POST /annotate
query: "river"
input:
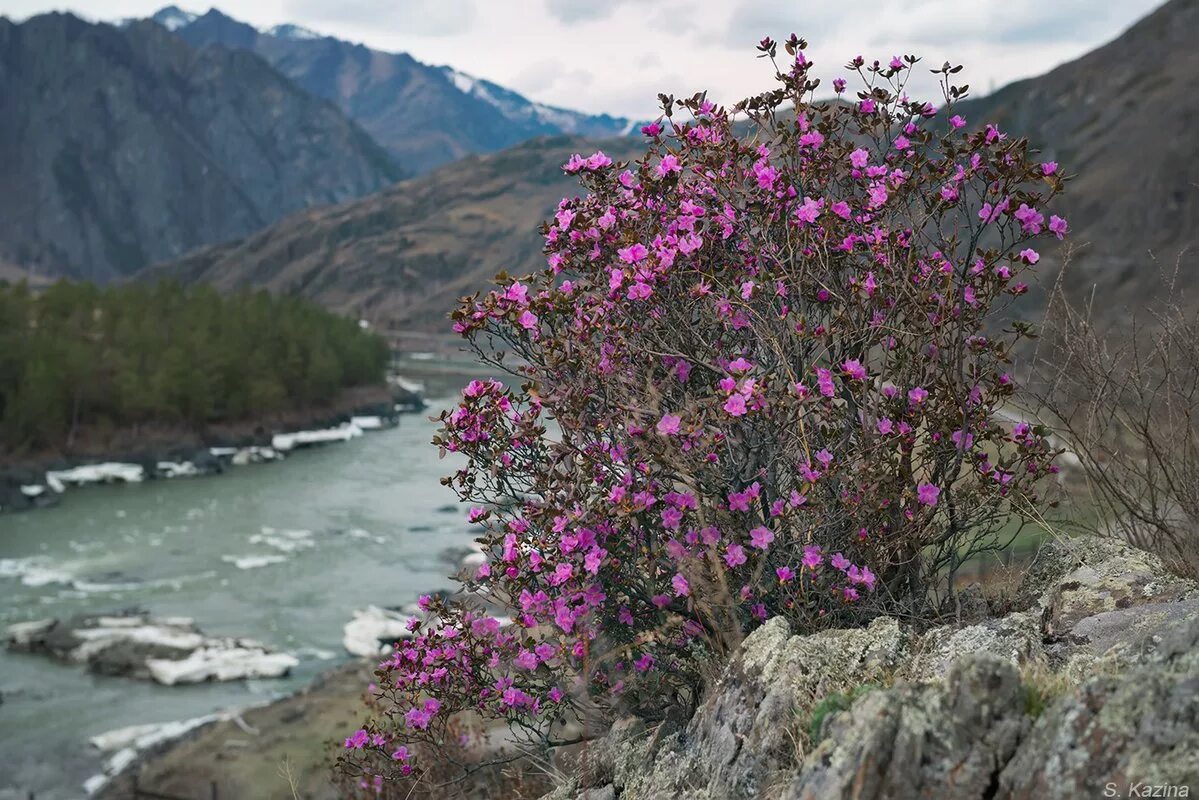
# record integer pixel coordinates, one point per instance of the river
(380, 524)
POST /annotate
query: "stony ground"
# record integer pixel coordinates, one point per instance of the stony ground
(1095, 680)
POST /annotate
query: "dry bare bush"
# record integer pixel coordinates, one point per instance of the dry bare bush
(1125, 400)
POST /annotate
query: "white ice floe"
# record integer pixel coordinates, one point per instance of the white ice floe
(227, 662)
(183, 654)
(253, 562)
(110, 472)
(285, 541)
(368, 423)
(34, 571)
(289, 441)
(177, 469)
(369, 631)
(33, 490)
(415, 387)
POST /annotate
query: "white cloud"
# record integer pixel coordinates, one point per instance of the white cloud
(616, 56)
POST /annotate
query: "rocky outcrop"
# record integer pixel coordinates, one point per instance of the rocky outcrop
(168, 650)
(1095, 683)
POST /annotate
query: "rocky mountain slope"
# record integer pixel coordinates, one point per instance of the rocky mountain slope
(120, 147)
(401, 257)
(1122, 118)
(424, 115)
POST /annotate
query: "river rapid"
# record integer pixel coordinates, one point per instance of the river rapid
(374, 527)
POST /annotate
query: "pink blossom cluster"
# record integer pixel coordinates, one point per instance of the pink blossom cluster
(758, 376)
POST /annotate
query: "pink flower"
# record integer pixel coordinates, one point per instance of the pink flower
(841, 209)
(518, 293)
(735, 405)
(917, 396)
(640, 291)
(957, 121)
(669, 425)
(1058, 226)
(809, 211)
(784, 574)
(854, 370)
(734, 555)
(840, 562)
(927, 494)
(358, 740)
(812, 557)
(681, 587)
(633, 253)
(761, 537)
(859, 158)
(528, 320)
(824, 380)
(669, 163)
(1030, 256)
(1049, 168)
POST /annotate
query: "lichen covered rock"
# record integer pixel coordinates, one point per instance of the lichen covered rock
(947, 739)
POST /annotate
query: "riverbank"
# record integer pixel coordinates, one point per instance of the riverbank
(281, 750)
(157, 453)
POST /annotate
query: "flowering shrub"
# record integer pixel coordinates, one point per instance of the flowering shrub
(759, 379)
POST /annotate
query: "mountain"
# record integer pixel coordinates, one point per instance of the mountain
(425, 116)
(1123, 119)
(124, 146)
(401, 257)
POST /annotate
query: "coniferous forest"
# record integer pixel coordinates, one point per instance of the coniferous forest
(77, 355)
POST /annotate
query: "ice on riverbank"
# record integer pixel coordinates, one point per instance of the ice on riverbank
(230, 660)
(168, 650)
(110, 472)
(125, 743)
(284, 442)
(373, 630)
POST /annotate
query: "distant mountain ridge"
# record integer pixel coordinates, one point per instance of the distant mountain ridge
(424, 115)
(124, 146)
(402, 257)
(1123, 119)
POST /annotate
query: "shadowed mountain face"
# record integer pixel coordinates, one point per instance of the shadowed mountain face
(1123, 118)
(401, 257)
(120, 147)
(424, 116)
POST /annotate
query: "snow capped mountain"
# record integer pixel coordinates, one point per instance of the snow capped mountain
(294, 32)
(519, 108)
(423, 115)
(173, 18)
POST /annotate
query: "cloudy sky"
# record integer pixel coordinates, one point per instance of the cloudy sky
(616, 55)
